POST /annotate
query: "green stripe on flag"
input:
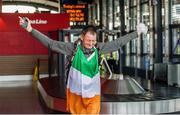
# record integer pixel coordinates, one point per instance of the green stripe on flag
(80, 62)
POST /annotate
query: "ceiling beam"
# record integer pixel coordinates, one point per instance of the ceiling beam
(53, 5)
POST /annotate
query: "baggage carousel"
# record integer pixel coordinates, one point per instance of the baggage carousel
(131, 95)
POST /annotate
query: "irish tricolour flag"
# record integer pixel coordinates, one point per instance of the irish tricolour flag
(83, 88)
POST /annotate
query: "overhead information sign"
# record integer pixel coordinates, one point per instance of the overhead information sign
(78, 14)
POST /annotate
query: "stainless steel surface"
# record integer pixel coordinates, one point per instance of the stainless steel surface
(162, 100)
(127, 85)
(160, 71)
(145, 107)
(174, 74)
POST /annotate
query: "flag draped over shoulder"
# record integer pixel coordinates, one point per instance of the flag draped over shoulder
(83, 88)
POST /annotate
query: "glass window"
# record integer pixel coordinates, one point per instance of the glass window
(142, 1)
(145, 62)
(133, 61)
(133, 2)
(163, 43)
(146, 43)
(133, 18)
(133, 46)
(110, 15)
(116, 14)
(145, 15)
(104, 13)
(125, 3)
(163, 13)
(145, 18)
(127, 60)
(176, 41)
(175, 13)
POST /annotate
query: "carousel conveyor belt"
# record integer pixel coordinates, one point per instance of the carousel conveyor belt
(153, 98)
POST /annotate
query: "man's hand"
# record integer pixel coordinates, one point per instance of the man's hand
(141, 28)
(25, 23)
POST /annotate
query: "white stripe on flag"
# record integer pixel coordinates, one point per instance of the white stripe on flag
(83, 85)
(89, 58)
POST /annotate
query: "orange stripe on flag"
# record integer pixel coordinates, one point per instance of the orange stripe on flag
(78, 105)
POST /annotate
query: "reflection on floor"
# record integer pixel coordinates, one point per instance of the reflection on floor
(19, 97)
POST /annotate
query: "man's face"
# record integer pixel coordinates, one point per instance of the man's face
(88, 40)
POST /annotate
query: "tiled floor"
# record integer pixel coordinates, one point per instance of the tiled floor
(19, 97)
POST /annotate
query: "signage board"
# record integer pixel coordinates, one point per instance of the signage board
(40, 21)
(78, 14)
